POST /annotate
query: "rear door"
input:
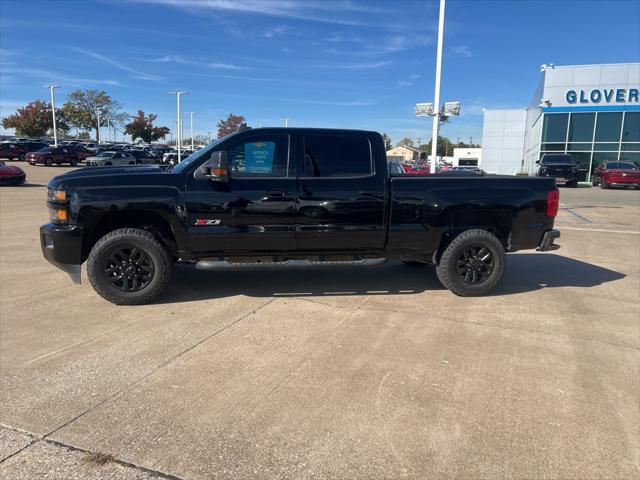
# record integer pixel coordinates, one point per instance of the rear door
(340, 199)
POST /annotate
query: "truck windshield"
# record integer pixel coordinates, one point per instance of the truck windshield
(556, 159)
(195, 157)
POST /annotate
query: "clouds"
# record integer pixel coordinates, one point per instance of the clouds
(136, 74)
(336, 11)
(199, 63)
(46, 75)
(409, 81)
(461, 51)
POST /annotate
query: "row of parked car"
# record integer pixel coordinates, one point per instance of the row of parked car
(91, 154)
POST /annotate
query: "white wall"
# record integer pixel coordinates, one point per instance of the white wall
(503, 137)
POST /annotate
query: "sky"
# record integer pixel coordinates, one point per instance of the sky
(322, 63)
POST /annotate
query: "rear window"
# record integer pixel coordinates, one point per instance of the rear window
(336, 156)
(621, 166)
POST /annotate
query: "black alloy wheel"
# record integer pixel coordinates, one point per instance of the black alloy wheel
(129, 269)
(475, 265)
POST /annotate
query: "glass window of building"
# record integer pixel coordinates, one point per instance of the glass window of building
(581, 127)
(630, 157)
(631, 130)
(599, 157)
(608, 126)
(554, 128)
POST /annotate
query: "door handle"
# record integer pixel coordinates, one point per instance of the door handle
(278, 193)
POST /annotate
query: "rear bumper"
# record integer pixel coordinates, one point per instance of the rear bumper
(62, 247)
(547, 241)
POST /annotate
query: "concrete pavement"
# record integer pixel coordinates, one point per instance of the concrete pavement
(328, 374)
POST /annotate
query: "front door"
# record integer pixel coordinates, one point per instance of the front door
(253, 211)
(341, 200)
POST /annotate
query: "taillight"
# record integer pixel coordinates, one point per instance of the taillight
(553, 202)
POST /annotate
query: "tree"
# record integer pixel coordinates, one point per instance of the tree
(35, 120)
(231, 124)
(387, 141)
(81, 110)
(142, 127)
(406, 142)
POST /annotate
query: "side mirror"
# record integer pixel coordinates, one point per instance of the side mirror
(215, 169)
(537, 162)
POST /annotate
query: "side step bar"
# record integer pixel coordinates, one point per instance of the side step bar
(226, 265)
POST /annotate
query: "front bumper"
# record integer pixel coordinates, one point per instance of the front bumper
(62, 247)
(547, 241)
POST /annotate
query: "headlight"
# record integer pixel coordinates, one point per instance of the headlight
(58, 195)
(58, 215)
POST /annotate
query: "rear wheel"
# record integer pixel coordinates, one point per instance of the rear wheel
(21, 157)
(129, 266)
(74, 162)
(472, 264)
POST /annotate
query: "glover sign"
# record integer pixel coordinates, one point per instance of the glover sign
(604, 95)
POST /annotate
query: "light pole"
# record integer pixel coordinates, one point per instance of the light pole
(98, 124)
(53, 113)
(191, 126)
(178, 94)
(209, 137)
(286, 121)
(108, 129)
(436, 95)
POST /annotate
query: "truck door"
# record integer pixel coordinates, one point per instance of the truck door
(254, 210)
(340, 199)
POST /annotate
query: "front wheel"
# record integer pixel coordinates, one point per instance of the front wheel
(74, 162)
(604, 185)
(21, 157)
(129, 266)
(48, 162)
(472, 264)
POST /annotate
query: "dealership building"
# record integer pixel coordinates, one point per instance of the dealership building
(589, 111)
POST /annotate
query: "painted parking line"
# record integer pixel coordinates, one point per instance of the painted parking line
(603, 230)
(584, 219)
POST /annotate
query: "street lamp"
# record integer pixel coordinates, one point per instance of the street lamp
(53, 113)
(178, 94)
(286, 121)
(436, 95)
(98, 124)
(191, 127)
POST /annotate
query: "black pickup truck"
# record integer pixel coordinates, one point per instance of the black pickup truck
(561, 167)
(276, 197)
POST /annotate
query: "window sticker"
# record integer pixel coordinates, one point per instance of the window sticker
(259, 157)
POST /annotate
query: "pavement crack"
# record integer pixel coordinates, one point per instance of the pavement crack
(36, 438)
(156, 369)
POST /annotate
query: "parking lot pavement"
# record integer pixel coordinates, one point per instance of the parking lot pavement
(328, 374)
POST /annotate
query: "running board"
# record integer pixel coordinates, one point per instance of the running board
(226, 265)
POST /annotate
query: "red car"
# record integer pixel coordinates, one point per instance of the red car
(11, 150)
(83, 153)
(50, 155)
(419, 170)
(612, 173)
(11, 175)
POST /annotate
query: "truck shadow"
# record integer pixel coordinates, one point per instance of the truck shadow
(525, 273)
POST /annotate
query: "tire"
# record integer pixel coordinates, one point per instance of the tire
(604, 185)
(455, 280)
(148, 261)
(572, 184)
(22, 157)
(74, 162)
(107, 164)
(48, 162)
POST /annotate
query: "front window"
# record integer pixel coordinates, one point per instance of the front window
(259, 157)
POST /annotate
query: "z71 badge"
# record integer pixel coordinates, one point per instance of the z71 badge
(201, 222)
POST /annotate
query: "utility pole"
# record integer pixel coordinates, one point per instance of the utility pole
(178, 94)
(436, 99)
(53, 113)
(286, 122)
(98, 124)
(208, 137)
(108, 129)
(191, 126)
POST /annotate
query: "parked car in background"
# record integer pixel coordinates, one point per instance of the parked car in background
(395, 167)
(106, 159)
(19, 150)
(612, 173)
(419, 170)
(145, 156)
(171, 158)
(11, 175)
(94, 147)
(82, 151)
(559, 166)
(49, 156)
(467, 169)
